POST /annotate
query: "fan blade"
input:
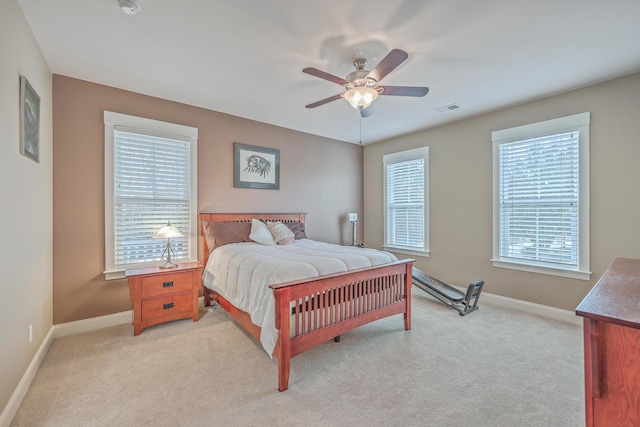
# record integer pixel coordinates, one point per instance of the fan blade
(366, 112)
(388, 64)
(324, 101)
(404, 90)
(321, 74)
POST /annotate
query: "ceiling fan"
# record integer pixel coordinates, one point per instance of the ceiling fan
(362, 85)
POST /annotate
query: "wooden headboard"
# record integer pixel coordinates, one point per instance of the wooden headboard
(244, 217)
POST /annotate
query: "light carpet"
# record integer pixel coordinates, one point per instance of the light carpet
(495, 367)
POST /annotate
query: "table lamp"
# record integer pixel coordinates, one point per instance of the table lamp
(168, 232)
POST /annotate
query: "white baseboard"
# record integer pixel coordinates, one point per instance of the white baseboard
(553, 313)
(94, 323)
(546, 311)
(20, 392)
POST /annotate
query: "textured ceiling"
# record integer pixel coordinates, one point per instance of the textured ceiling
(245, 57)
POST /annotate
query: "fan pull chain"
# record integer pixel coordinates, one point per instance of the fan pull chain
(360, 129)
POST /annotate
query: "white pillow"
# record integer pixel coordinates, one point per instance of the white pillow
(260, 233)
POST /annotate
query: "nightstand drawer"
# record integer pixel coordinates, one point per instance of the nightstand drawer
(155, 308)
(165, 284)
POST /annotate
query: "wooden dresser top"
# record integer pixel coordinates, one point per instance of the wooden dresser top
(616, 296)
(155, 270)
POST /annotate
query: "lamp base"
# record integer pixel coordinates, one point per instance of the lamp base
(168, 264)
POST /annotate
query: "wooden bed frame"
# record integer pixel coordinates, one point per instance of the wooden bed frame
(311, 311)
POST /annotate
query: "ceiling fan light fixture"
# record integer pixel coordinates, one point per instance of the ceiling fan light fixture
(362, 86)
(130, 7)
(361, 97)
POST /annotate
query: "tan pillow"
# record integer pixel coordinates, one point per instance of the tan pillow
(297, 228)
(281, 233)
(223, 233)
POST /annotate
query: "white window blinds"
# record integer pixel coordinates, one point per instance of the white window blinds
(151, 188)
(541, 197)
(539, 200)
(405, 200)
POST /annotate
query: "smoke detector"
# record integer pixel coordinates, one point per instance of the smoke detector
(130, 7)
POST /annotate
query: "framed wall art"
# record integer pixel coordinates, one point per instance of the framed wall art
(29, 121)
(256, 167)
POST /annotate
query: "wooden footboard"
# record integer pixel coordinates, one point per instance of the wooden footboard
(312, 311)
(328, 306)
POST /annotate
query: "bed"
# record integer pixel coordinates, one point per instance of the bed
(306, 311)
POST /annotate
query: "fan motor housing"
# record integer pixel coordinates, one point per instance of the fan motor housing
(359, 78)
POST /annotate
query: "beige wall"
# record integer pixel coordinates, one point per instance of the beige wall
(26, 191)
(460, 204)
(319, 176)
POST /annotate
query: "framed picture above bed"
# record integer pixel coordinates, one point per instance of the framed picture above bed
(256, 167)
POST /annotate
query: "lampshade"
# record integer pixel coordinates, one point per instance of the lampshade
(168, 232)
(360, 97)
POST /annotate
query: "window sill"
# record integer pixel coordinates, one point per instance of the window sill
(114, 275)
(572, 274)
(405, 251)
(121, 274)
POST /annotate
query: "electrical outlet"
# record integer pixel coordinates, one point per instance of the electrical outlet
(30, 333)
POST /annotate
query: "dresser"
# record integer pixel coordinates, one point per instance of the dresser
(611, 313)
(159, 295)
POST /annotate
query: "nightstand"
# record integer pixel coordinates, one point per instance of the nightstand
(163, 294)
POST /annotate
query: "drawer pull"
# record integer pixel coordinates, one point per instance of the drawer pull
(167, 306)
(167, 284)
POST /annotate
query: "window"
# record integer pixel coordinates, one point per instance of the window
(541, 197)
(150, 180)
(405, 200)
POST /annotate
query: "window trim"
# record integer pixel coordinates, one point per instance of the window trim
(412, 154)
(577, 122)
(152, 127)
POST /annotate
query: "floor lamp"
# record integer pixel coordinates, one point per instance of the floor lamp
(353, 219)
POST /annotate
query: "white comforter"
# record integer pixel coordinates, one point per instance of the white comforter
(242, 273)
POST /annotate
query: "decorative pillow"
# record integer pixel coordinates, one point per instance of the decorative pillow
(223, 233)
(260, 233)
(297, 228)
(281, 233)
